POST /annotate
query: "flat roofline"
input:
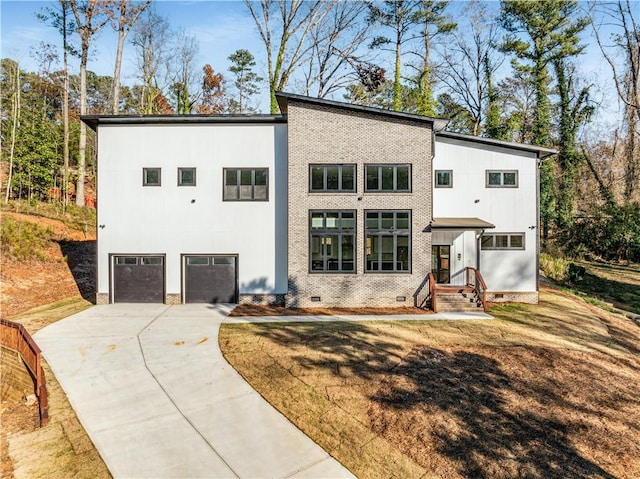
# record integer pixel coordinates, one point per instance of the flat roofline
(93, 121)
(540, 151)
(283, 99)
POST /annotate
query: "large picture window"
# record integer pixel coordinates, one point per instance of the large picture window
(388, 178)
(502, 241)
(388, 241)
(502, 178)
(332, 178)
(332, 241)
(246, 184)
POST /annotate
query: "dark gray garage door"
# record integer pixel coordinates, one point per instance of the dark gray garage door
(138, 279)
(210, 279)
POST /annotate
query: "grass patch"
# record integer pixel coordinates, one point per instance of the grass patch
(548, 390)
(611, 283)
(23, 240)
(75, 217)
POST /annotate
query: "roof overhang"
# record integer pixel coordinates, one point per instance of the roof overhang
(93, 121)
(284, 98)
(460, 224)
(540, 151)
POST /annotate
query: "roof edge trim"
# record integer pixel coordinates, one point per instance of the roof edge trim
(93, 121)
(541, 151)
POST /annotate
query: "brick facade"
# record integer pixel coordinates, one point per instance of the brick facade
(173, 298)
(332, 135)
(102, 298)
(530, 297)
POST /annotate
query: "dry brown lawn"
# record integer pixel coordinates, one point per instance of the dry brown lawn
(542, 391)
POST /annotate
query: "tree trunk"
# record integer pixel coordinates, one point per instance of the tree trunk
(116, 72)
(83, 128)
(16, 116)
(397, 86)
(65, 110)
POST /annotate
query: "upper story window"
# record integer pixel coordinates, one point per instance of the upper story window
(332, 246)
(246, 184)
(332, 178)
(502, 178)
(444, 178)
(388, 178)
(388, 241)
(502, 241)
(151, 176)
(186, 177)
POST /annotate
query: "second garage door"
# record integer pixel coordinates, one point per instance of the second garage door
(210, 279)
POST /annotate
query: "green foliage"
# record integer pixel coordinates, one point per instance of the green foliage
(555, 268)
(23, 240)
(75, 217)
(246, 82)
(611, 232)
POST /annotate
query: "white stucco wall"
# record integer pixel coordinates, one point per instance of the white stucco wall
(511, 210)
(175, 220)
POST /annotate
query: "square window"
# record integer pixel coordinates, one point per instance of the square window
(151, 176)
(444, 179)
(186, 177)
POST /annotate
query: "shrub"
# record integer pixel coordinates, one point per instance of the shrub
(555, 268)
(23, 240)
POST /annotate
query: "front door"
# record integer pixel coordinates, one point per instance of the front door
(440, 264)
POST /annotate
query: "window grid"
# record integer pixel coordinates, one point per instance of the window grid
(246, 184)
(497, 241)
(329, 178)
(332, 241)
(388, 178)
(502, 178)
(388, 241)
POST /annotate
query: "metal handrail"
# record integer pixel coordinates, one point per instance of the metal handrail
(15, 336)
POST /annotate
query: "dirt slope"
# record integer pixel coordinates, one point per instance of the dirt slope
(67, 270)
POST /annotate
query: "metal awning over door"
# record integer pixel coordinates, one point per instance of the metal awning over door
(210, 279)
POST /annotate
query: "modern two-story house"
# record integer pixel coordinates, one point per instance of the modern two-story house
(327, 204)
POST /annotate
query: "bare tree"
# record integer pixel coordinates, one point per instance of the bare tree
(184, 74)
(15, 118)
(152, 38)
(284, 27)
(625, 41)
(470, 62)
(335, 41)
(90, 18)
(123, 14)
(61, 20)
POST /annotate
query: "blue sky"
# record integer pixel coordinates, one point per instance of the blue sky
(221, 27)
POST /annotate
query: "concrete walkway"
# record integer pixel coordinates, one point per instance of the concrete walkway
(150, 386)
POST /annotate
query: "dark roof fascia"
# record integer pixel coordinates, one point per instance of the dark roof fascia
(540, 151)
(283, 98)
(93, 121)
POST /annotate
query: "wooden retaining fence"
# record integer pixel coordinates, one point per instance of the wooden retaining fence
(15, 336)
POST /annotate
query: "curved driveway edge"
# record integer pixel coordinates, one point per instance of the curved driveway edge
(151, 388)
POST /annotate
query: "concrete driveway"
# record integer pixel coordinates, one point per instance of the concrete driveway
(150, 386)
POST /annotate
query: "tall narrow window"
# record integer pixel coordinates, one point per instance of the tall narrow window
(151, 176)
(388, 178)
(332, 241)
(332, 178)
(388, 241)
(246, 184)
